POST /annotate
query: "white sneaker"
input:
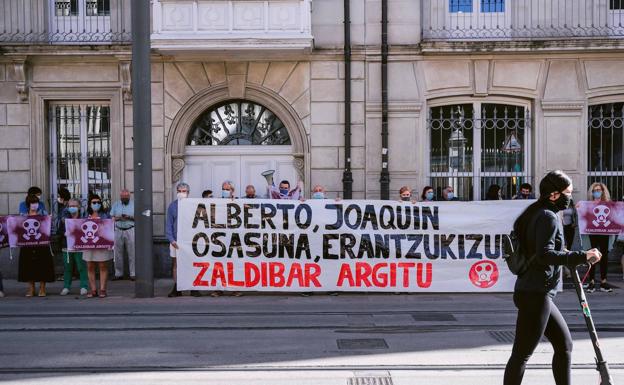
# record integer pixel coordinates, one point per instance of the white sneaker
(65, 291)
(83, 291)
(1, 294)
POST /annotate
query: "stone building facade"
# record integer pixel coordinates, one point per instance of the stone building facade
(475, 97)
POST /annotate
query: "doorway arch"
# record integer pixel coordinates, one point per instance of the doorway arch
(206, 100)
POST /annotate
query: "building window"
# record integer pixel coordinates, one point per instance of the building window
(492, 5)
(460, 6)
(616, 5)
(72, 7)
(238, 122)
(98, 7)
(66, 7)
(605, 147)
(80, 145)
(476, 145)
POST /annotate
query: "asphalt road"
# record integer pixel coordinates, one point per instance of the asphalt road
(284, 339)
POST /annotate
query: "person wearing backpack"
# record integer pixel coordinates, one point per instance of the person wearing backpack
(540, 233)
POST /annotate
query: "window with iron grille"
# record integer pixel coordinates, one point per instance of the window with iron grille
(73, 7)
(476, 145)
(238, 122)
(616, 4)
(605, 146)
(80, 150)
(464, 6)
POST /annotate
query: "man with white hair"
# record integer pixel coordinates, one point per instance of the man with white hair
(171, 230)
(123, 214)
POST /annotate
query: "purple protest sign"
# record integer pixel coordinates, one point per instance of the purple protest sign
(4, 234)
(89, 234)
(605, 218)
(28, 231)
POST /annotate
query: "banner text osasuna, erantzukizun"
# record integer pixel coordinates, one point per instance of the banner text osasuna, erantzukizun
(347, 245)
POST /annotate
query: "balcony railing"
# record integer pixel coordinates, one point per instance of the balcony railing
(64, 21)
(231, 24)
(522, 19)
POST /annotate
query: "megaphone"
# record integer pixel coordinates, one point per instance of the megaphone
(268, 175)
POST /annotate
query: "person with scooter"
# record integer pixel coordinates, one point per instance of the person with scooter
(541, 239)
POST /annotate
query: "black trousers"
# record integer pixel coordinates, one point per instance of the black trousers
(601, 242)
(537, 316)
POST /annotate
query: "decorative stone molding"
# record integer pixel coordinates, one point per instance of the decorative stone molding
(412, 108)
(553, 108)
(231, 24)
(19, 67)
(562, 105)
(126, 79)
(299, 163)
(177, 166)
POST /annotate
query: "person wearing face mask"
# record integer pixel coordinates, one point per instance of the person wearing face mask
(541, 234)
(427, 194)
(36, 263)
(405, 194)
(526, 192)
(250, 192)
(123, 214)
(318, 192)
(72, 258)
(23, 206)
(598, 192)
(97, 258)
(284, 191)
(171, 231)
(448, 194)
(227, 192)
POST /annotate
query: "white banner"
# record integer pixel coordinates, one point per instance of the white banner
(349, 245)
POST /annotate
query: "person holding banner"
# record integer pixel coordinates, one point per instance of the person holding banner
(284, 191)
(541, 239)
(72, 258)
(405, 194)
(171, 231)
(36, 263)
(250, 192)
(97, 258)
(598, 193)
(427, 194)
(23, 206)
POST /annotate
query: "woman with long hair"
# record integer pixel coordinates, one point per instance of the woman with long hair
(599, 193)
(35, 262)
(541, 235)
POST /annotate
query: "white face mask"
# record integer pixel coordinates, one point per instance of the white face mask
(182, 195)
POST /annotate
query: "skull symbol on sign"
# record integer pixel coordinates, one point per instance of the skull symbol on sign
(89, 229)
(601, 213)
(32, 229)
(483, 274)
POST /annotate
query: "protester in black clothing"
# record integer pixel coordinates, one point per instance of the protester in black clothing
(494, 193)
(541, 234)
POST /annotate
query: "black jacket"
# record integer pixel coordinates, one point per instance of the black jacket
(544, 239)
